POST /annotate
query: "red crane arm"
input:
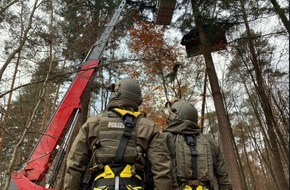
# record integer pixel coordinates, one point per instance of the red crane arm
(41, 158)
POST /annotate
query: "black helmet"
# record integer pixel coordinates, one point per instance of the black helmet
(183, 110)
(127, 93)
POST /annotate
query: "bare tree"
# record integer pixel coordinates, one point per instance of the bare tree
(22, 40)
(267, 108)
(281, 14)
(4, 6)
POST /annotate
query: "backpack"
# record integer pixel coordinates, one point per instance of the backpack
(193, 158)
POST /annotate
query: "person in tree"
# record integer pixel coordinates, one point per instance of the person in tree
(198, 162)
(111, 148)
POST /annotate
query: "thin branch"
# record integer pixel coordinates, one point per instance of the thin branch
(259, 36)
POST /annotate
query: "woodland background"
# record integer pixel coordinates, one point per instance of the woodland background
(241, 92)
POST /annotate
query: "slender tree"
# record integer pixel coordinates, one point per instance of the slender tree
(266, 105)
(200, 14)
(4, 6)
(22, 41)
(282, 14)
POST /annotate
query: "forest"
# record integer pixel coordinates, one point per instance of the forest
(230, 58)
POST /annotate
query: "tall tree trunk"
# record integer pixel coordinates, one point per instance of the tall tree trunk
(281, 14)
(51, 59)
(22, 33)
(266, 106)
(7, 112)
(247, 162)
(282, 113)
(266, 140)
(280, 129)
(225, 131)
(22, 41)
(45, 109)
(203, 101)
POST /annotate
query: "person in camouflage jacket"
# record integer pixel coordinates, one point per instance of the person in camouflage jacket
(95, 147)
(183, 118)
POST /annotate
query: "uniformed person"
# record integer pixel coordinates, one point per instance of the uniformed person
(110, 149)
(197, 159)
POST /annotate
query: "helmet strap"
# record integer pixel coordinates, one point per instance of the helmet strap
(172, 116)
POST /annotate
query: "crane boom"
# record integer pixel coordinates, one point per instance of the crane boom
(41, 159)
(29, 177)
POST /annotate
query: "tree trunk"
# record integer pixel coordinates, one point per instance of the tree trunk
(4, 127)
(266, 142)
(281, 14)
(252, 178)
(225, 130)
(266, 106)
(22, 40)
(203, 101)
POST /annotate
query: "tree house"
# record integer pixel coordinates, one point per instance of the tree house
(216, 36)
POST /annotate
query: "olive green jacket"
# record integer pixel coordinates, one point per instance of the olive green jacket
(188, 127)
(148, 138)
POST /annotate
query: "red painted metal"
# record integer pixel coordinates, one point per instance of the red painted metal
(41, 159)
(20, 182)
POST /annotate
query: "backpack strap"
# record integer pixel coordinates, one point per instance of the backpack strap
(191, 142)
(129, 120)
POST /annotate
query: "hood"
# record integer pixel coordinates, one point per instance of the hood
(182, 126)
